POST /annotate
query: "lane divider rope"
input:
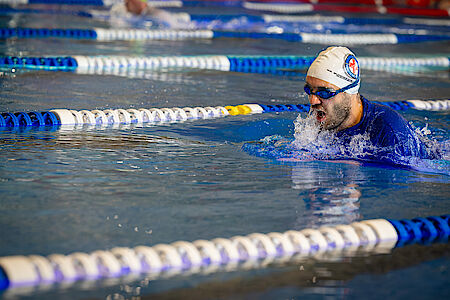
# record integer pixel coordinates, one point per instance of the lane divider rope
(92, 64)
(102, 34)
(110, 117)
(373, 236)
(269, 18)
(290, 8)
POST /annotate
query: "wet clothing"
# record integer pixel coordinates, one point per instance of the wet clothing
(391, 137)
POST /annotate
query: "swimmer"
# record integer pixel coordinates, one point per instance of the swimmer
(332, 85)
(140, 7)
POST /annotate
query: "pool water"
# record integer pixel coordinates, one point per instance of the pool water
(66, 190)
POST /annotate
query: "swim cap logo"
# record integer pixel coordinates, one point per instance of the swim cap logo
(351, 66)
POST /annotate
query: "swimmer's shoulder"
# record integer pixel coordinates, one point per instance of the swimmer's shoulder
(387, 126)
(391, 129)
(387, 117)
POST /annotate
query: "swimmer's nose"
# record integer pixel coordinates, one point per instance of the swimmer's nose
(314, 100)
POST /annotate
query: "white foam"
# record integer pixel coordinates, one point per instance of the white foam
(323, 144)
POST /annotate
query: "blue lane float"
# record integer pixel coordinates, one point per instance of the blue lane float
(100, 34)
(22, 119)
(369, 236)
(88, 34)
(114, 117)
(45, 63)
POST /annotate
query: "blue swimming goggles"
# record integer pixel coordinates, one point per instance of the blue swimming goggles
(327, 93)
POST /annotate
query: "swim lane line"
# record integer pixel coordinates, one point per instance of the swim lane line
(102, 34)
(235, 63)
(114, 117)
(313, 19)
(372, 236)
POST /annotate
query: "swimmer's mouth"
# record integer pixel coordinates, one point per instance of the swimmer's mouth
(320, 116)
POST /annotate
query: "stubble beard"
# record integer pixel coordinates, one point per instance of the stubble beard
(338, 114)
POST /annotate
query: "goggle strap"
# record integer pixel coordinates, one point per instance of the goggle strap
(351, 85)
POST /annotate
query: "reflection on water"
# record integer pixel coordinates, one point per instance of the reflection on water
(330, 199)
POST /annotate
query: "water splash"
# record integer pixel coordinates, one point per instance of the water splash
(325, 145)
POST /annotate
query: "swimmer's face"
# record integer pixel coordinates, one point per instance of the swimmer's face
(331, 113)
(135, 6)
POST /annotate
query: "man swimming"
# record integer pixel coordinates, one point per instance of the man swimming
(332, 84)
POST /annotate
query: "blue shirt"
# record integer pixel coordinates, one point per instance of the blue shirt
(391, 137)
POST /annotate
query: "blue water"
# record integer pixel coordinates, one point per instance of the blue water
(67, 190)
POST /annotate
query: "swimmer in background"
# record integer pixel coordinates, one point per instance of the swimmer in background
(332, 85)
(140, 7)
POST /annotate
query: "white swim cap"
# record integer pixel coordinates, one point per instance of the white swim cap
(338, 66)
